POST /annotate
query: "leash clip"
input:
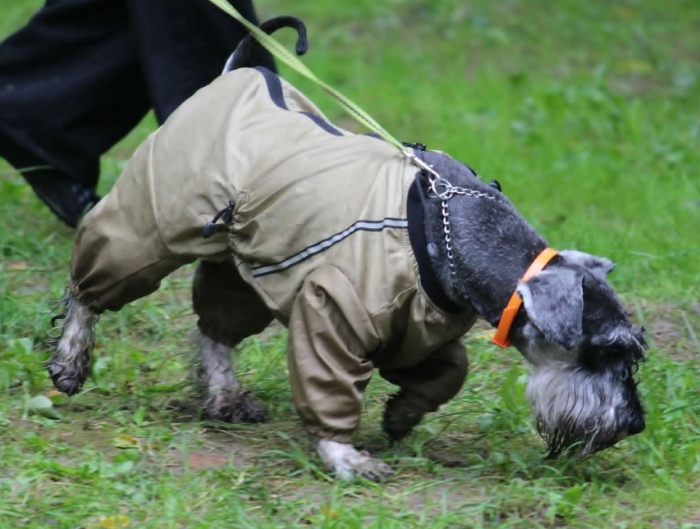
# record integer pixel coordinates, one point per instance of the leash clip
(441, 188)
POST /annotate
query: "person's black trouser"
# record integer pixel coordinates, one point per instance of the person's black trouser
(82, 73)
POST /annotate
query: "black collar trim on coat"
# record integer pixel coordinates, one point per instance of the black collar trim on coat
(274, 87)
(416, 234)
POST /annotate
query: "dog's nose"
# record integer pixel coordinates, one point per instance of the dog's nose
(637, 426)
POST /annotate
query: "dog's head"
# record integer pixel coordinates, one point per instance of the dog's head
(585, 350)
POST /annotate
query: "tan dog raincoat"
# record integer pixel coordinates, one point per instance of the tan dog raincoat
(319, 239)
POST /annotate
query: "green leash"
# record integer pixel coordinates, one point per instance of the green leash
(283, 54)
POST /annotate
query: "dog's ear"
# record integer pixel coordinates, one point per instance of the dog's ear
(553, 300)
(599, 266)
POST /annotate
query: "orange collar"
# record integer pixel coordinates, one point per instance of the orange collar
(508, 316)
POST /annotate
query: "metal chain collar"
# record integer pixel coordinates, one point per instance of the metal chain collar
(444, 190)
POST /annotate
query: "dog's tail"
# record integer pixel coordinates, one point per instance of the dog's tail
(247, 53)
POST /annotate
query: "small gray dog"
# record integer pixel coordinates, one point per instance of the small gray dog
(372, 260)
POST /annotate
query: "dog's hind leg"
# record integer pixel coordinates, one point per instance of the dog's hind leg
(229, 310)
(224, 400)
(72, 347)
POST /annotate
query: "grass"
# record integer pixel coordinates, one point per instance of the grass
(587, 113)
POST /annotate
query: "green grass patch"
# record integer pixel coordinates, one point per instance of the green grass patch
(586, 112)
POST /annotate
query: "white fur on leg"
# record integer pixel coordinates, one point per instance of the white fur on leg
(217, 378)
(224, 399)
(68, 366)
(348, 463)
(77, 335)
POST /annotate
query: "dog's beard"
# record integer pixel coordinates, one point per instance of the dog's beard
(577, 411)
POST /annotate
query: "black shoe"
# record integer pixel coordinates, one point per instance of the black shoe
(69, 201)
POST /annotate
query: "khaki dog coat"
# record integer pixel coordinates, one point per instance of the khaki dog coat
(319, 239)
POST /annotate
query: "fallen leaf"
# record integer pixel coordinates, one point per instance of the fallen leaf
(110, 522)
(125, 442)
(20, 265)
(624, 12)
(328, 513)
(638, 66)
(56, 396)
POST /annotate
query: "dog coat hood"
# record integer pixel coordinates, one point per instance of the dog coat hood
(317, 209)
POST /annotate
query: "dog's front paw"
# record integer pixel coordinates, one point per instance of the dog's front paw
(234, 407)
(401, 415)
(348, 463)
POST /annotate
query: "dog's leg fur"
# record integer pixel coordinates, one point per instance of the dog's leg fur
(70, 361)
(424, 388)
(229, 311)
(348, 463)
(401, 416)
(223, 398)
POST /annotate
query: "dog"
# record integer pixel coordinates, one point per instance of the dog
(373, 260)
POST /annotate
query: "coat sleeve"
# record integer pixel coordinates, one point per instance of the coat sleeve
(330, 335)
(120, 254)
